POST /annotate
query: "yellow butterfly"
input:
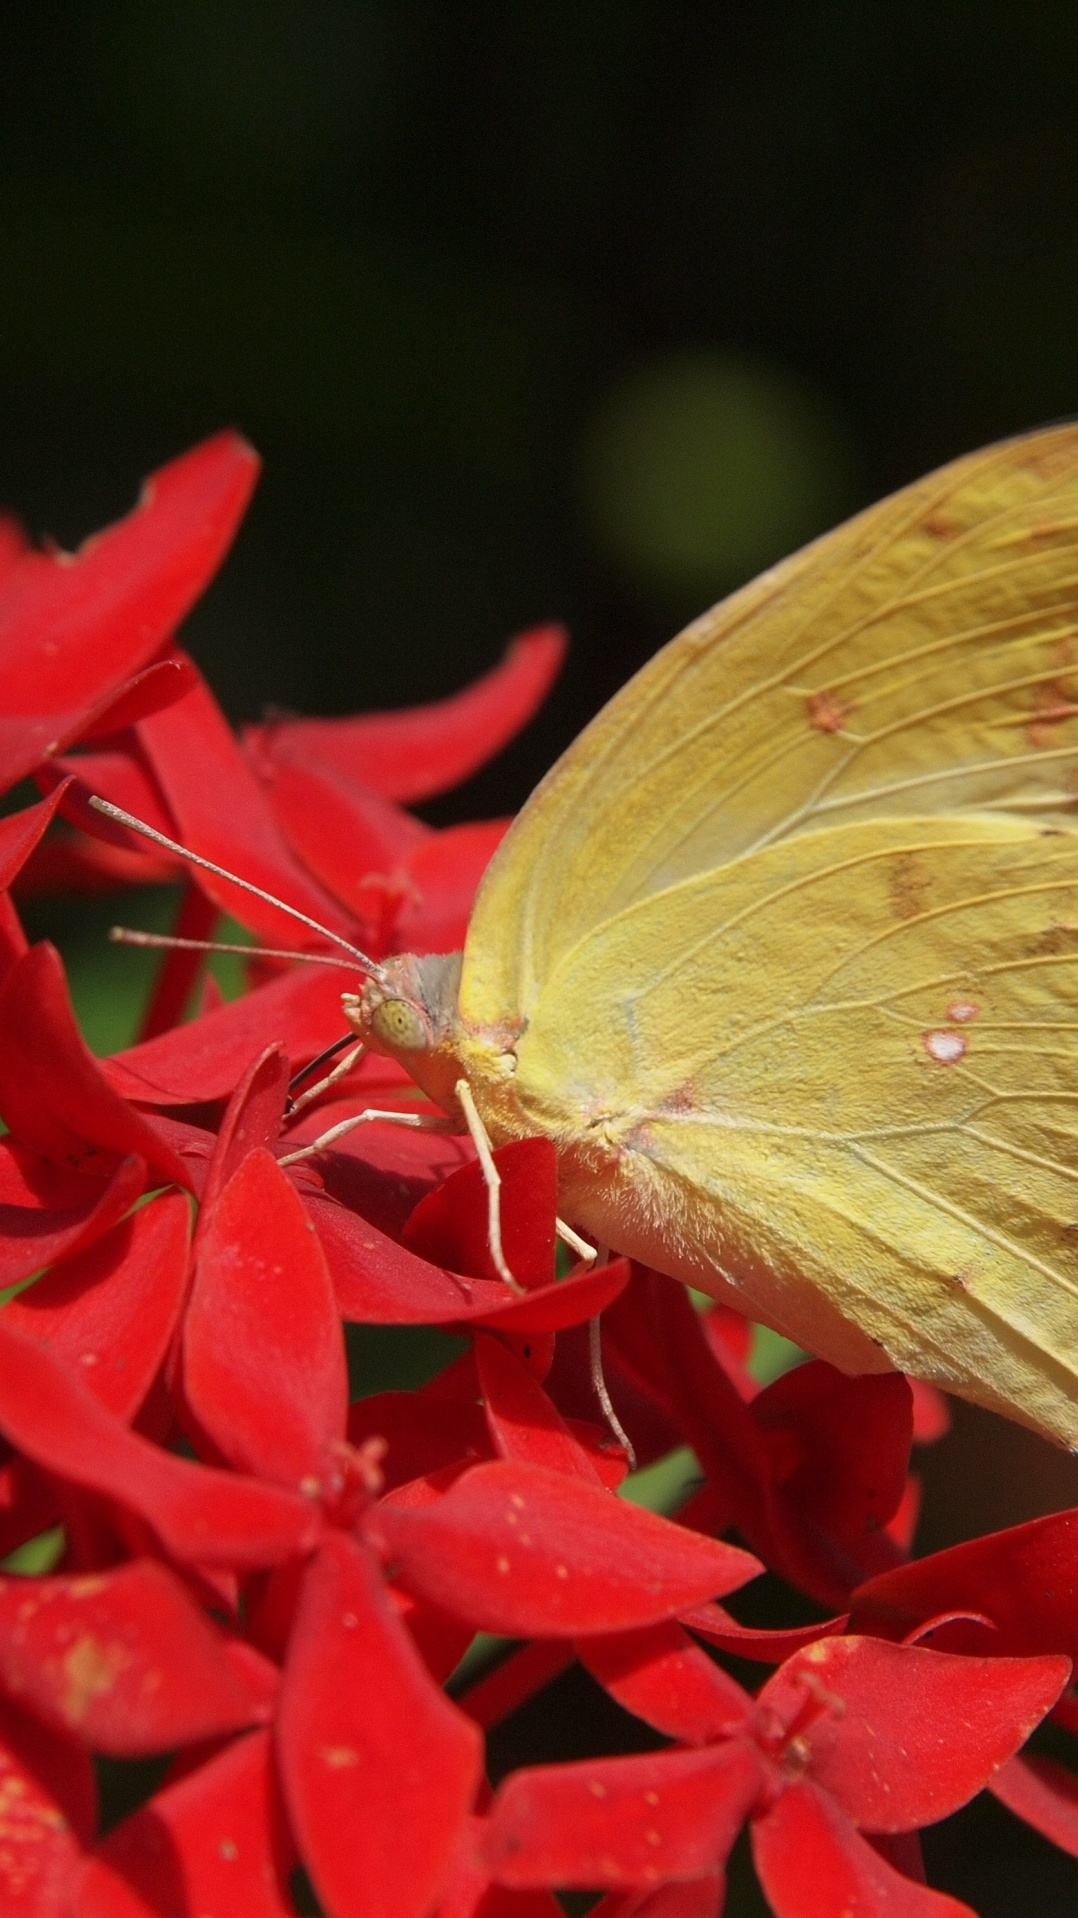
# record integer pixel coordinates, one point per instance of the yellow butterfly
(782, 953)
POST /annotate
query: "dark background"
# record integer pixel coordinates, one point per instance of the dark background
(581, 310)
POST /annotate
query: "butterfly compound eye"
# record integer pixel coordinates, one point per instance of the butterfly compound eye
(398, 1024)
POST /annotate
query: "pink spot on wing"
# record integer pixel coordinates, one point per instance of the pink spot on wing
(939, 526)
(962, 1010)
(827, 712)
(947, 1048)
(682, 1099)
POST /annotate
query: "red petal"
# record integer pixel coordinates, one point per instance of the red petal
(469, 1893)
(47, 1794)
(445, 872)
(422, 1433)
(424, 750)
(381, 1283)
(849, 1444)
(900, 1736)
(53, 1093)
(28, 1504)
(813, 1864)
(214, 1842)
(110, 1312)
(903, 1850)
(449, 1226)
(342, 830)
(1023, 1579)
(747, 1641)
(150, 691)
(47, 1213)
(662, 1677)
(554, 1308)
(440, 1639)
(20, 832)
(1065, 1711)
(202, 1516)
(474, 1898)
(524, 1425)
(72, 629)
(931, 1415)
(13, 544)
(123, 1660)
(415, 1496)
(205, 1060)
(659, 1331)
(210, 996)
(729, 1334)
(379, 1768)
(621, 1821)
(380, 1171)
(253, 1120)
(264, 1368)
(13, 942)
(123, 778)
(902, 1528)
(1044, 1794)
(696, 1898)
(223, 813)
(259, 1676)
(75, 863)
(174, 983)
(530, 1553)
(58, 1763)
(517, 1679)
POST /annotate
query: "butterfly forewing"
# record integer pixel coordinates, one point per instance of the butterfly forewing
(921, 659)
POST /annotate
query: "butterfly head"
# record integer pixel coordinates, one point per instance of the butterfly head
(409, 1013)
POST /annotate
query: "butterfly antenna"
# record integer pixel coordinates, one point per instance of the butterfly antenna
(173, 942)
(127, 819)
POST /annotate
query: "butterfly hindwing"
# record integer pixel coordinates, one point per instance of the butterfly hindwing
(844, 1071)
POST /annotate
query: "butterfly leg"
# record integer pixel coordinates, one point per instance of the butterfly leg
(492, 1179)
(599, 1386)
(415, 1121)
(340, 1070)
(587, 1254)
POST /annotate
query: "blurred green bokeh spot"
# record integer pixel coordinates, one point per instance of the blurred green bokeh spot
(702, 467)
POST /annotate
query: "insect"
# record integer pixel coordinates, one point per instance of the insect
(783, 952)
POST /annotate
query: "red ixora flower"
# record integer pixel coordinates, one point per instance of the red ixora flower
(273, 1586)
(850, 1735)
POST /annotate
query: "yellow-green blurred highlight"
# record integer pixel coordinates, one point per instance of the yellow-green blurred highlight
(38, 1556)
(772, 1355)
(699, 468)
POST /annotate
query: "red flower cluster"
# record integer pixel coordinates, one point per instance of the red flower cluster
(272, 1587)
